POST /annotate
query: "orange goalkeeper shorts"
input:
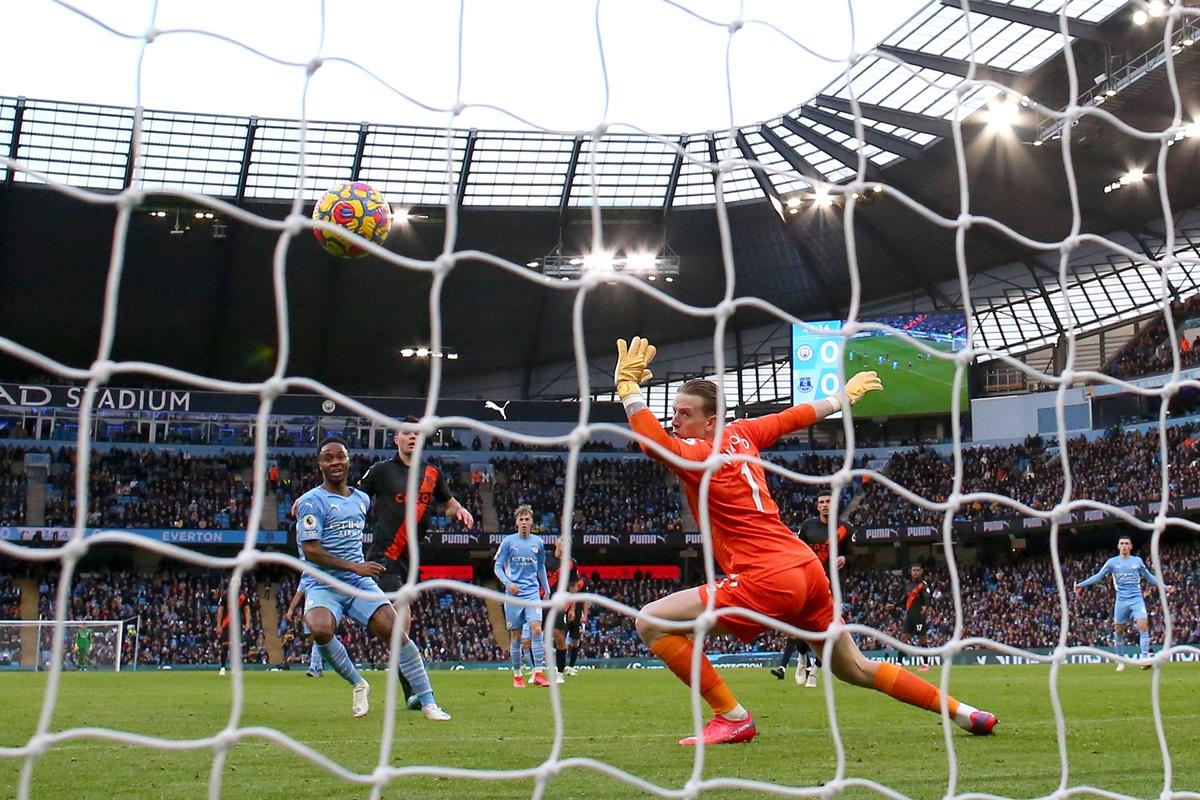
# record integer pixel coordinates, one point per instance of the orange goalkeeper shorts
(799, 596)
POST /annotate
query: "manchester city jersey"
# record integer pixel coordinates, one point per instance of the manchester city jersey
(522, 560)
(1127, 574)
(337, 522)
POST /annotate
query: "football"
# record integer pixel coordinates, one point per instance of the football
(359, 209)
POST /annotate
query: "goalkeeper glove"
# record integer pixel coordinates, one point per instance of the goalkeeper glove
(632, 360)
(862, 384)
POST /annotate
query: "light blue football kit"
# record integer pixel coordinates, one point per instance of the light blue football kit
(521, 560)
(1127, 574)
(336, 522)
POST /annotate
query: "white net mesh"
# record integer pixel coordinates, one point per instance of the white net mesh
(735, 165)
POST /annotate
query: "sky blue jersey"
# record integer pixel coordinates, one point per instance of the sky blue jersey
(336, 522)
(1127, 574)
(522, 560)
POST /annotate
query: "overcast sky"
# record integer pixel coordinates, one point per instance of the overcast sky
(538, 59)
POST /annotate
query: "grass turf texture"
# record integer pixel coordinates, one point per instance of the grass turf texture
(923, 388)
(630, 719)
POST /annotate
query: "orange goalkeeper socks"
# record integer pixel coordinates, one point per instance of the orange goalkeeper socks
(908, 688)
(676, 652)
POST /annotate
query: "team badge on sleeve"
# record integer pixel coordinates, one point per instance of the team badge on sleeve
(309, 523)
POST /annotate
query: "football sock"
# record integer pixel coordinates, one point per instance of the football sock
(224, 656)
(405, 687)
(1144, 643)
(574, 654)
(412, 670)
(335, 653)
(315, 662)
(560, 658)
(514, 652)
(908, 688)
(539, 653)
(1118, 642)
(676, 652)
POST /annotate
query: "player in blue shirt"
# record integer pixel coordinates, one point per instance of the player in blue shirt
(521, 568)
(1127, 572)
(329, 529)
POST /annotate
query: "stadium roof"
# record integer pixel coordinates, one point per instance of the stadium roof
(523, 194)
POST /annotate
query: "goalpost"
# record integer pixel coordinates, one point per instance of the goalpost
(720, 159)
(104, 649)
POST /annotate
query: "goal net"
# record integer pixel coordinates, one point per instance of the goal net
(736, 162)
(101, 645)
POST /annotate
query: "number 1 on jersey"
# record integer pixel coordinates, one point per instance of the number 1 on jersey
(755, 490)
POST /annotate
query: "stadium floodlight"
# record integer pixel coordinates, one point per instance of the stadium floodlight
(822, 198)
(422, 352)
(407, 352)
(533, 264)
(644, 263)
(1156, 8)
(640, 262)
(1133, 176)
(400, 215)
(1140, 17)
(598, 262)
(1002, 115)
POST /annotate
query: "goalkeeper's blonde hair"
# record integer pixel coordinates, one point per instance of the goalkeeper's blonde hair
(705, 390)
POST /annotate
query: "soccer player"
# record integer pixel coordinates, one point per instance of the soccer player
(916, 600)
(386, 483)
(521, 570)
(223, 620)
(1127, 572)
(83, 648)
(567, 625)
(329, 529)
(814, 532)
(316, 664)
(767, 569)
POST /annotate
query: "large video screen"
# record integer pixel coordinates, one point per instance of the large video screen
(913, 381)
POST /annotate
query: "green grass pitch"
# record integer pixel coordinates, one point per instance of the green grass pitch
(923, 388)
(628, 718)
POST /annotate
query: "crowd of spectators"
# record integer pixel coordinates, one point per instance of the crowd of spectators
(1148, 352)
(628, 495)
(10, 608)
(1119, 468)
(153, 489)
(174, 614)
(12, 486)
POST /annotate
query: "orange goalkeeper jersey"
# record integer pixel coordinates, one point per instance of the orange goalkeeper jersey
(747, 533)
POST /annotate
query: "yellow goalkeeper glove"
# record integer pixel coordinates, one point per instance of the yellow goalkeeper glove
(862, 384)
(632, 360)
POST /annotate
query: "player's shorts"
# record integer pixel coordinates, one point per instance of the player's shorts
(1127, 610)
(516, 617)
(914, 624)
(359, 609)
(799, 596)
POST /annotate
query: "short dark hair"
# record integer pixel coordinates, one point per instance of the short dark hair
(1125, 537)
(328, 440)
(704, 389)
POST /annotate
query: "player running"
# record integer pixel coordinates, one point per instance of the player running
(914, 603)
(329, 529)
(386, 483)
(521, 570)
(814, 532)
(767, 569)
(1127, 572)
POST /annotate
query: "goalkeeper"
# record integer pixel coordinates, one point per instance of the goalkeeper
(768, 570)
